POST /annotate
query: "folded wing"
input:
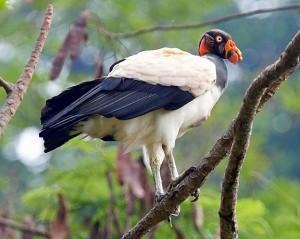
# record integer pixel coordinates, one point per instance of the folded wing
(121, 98)
(169, 67)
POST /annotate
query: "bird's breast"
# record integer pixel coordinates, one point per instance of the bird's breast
(198, 110)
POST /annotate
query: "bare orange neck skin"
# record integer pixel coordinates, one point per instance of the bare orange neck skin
(203, 49)
(232, 53)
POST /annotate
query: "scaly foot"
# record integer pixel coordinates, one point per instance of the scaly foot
(159, 196)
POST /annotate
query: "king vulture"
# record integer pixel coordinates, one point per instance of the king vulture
(147, 100)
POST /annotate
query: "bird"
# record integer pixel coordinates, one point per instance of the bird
(147, 100)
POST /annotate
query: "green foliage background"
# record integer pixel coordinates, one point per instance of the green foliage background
(269, 198)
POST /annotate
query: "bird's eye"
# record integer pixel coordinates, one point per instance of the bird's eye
(219, 38)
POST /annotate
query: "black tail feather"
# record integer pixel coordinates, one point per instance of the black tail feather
(56, 135)
(61, 101)
(54, 139)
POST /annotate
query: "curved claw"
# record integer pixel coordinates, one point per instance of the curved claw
(176, 212)
(181, 177)
(173, 214)
(159, 197)
(195, 195)
(172, 185)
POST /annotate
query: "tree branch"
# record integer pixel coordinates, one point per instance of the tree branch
(261, 90)
(18, 226)
(15, 97)
(239, 128)
(6, 85)
(183, 27)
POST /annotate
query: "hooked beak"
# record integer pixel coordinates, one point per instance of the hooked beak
(233, 53)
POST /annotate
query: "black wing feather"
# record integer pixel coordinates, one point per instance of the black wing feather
(122, 98)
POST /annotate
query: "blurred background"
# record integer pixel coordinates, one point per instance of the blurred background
(92, 182)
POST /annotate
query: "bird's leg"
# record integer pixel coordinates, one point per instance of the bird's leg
(157, 154)
(174, 174)
(155, 167)
(172, 166)
(159, 192)
(156, 157)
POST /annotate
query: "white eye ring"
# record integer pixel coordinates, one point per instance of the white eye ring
(219, 38)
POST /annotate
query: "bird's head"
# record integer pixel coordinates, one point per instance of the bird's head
(221, 44)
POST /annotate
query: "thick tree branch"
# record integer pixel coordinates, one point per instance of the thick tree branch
(15, 97)
(183, 27)
(261, 90)
(18, 226)
(241, 127)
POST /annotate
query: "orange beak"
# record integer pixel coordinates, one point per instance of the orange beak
(233, 53)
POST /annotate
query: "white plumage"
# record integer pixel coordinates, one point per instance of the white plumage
(159, 129)
(170, 67)
(147, 100)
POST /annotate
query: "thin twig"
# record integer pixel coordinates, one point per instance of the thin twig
(261, 91)
(183, 27)
(196, 176)
(110, 35)
(8, 87)
(18, 226)
(15, 98)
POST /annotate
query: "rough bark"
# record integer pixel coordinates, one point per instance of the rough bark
(17, 91)
(261, 90)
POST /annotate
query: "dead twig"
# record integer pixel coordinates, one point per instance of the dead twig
(71, 44)
(59, 228)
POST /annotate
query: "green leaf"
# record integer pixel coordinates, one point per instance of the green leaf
(3, 4)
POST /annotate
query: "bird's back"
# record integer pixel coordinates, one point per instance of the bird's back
(169, 67)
